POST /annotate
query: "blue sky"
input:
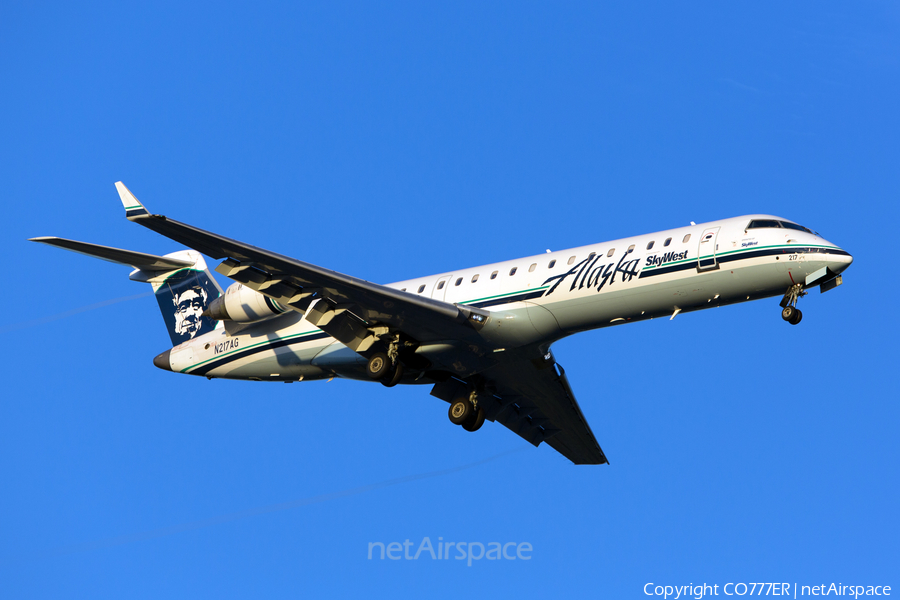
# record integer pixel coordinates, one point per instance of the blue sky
(390, 141)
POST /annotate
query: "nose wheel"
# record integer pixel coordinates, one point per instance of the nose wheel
(789, 310)
(791, 314)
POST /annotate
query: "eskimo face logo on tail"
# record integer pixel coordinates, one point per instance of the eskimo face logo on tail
(189, 305)
(182, 299)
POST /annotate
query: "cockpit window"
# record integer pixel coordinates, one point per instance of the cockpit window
(763, 224)
(788, 225)
(773, 224)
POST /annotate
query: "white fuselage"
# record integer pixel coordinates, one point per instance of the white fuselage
(540, 299)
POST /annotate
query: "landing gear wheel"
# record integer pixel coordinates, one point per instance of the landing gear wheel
(460, 410)
(475, 421)
(788, 312)
(393, 378)
(796, 317)
(378, 366)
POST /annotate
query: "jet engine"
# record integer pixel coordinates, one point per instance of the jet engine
(242, 305)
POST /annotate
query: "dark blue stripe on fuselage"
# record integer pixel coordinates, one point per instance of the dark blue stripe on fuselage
(708, 261)
(508, 299)
(281, 343)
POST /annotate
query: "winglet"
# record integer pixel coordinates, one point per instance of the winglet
(133, 207)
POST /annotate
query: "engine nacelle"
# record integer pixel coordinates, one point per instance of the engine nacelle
(243, 305)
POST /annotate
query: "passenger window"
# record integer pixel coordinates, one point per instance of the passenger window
(552, 264)
(571, 260)
(686, 239)
(402, 289)
(441, 285)
(611, 252)
(474, 278)
(532, 268)
(630, 249)
(650, 245)
(421, 288)
(494, 275)
(459, 281)
(668, 241)
(512, 271)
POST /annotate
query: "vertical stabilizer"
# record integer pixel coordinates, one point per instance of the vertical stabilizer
(183, 294)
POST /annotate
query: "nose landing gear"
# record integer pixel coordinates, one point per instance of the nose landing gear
(791, 314)
(789, 310)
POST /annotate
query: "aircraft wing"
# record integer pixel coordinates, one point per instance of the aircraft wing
(529, 392)
(351, 305)
(533, 399)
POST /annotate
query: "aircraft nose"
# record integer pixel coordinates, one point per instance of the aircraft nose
(840, 260)
(162, 361)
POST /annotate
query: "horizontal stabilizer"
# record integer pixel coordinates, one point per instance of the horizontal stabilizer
(138, 260)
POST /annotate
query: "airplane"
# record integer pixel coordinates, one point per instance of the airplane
(480, 337)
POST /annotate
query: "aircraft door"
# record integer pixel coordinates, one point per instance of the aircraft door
(706, 252)
(440, 287)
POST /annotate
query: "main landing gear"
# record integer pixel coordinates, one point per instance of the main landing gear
(464, 410)
(789, 310)
(382, 368)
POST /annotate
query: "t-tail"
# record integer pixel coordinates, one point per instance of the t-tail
(182, 284)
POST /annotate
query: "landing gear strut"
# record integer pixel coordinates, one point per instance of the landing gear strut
(464, 410)
(789, 310)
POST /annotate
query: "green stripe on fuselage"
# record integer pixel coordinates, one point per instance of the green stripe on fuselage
(243, 348)
(537, 289)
